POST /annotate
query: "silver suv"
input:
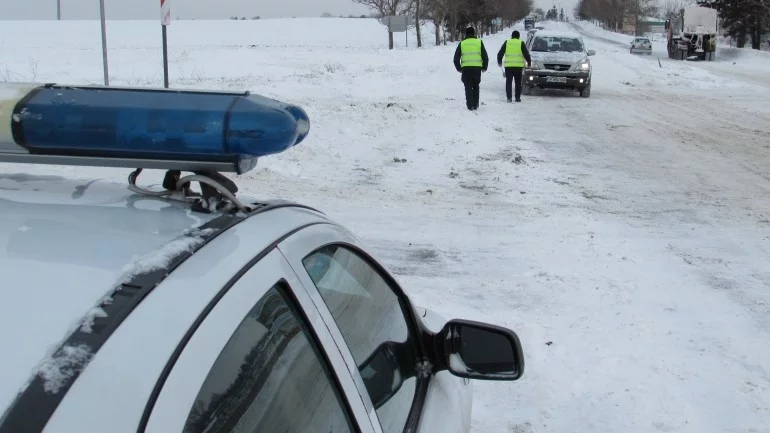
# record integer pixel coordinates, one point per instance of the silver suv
(559, 61)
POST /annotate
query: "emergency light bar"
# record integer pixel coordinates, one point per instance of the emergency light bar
(165, 129)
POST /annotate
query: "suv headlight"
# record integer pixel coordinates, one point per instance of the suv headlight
(583, 65)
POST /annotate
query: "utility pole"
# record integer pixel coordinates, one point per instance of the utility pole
(104, 44)
(58, 10)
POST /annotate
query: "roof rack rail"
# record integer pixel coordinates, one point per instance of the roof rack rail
(200, 131)
(217, 191)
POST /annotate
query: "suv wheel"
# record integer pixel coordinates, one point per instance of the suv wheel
(586, 91)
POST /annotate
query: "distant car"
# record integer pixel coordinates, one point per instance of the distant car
(559, 61)
(528, 23)
(641, 46)
(166, 309)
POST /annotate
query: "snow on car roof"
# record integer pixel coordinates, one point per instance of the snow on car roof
(557, 34)
(64, 245)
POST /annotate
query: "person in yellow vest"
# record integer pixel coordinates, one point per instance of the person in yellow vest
(471, 60)
(516, 56)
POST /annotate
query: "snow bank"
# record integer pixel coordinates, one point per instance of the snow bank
(362, 33)
(594, 30)
(220, 54)
(745, 58)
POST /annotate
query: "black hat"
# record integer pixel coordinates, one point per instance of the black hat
(515, 34)
(470, 32)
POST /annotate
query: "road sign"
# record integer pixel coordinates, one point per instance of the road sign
(397, 23)
(165, 12)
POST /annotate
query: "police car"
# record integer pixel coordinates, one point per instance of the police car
(170, 308)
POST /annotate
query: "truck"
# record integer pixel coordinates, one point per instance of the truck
(529, 22)
(692, 34)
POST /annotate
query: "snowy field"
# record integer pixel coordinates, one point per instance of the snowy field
(624, 236)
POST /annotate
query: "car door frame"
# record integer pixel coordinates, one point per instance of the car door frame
(170, 412)
(302, 243)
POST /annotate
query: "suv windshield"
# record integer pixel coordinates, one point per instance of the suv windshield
(555, 43)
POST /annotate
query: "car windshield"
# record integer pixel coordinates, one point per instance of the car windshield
(643, 41)
(557, 43)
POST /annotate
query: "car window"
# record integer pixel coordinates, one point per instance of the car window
(270, 377)
(370, 317)
(557, 43)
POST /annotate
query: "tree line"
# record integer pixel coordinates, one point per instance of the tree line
(451, 17)
(744, 20)
(612, 13)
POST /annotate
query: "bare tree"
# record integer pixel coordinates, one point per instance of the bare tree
(639, 9)
(670, 8)
(454, 15)
(515, 10)
(436, 12)
(417, 22)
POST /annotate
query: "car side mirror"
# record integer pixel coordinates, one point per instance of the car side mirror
(477, 350)
(591, 53)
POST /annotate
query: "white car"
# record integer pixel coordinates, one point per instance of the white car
(158, 310)
(641, 45)
(559, 61)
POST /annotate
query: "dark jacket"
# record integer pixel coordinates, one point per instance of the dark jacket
(524, 52)
(484, 58)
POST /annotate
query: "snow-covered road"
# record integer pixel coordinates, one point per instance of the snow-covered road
(623, 236)
(651, 256)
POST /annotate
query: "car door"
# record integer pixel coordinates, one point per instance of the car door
(370, 318)
(261, 360)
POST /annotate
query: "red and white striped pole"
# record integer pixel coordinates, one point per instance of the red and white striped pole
(165, 20)
(165, 12)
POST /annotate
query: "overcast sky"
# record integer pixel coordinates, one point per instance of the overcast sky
(187, 9)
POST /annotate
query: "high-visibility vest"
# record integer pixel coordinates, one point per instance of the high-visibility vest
(513, 56)
(470, 51)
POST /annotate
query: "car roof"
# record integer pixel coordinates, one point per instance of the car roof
(558, 34)
(131, 365)
(67, 243)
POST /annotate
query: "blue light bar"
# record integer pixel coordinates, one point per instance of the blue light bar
(145, 128)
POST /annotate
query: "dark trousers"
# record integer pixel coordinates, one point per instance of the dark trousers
(471, 77)
(510, 75)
